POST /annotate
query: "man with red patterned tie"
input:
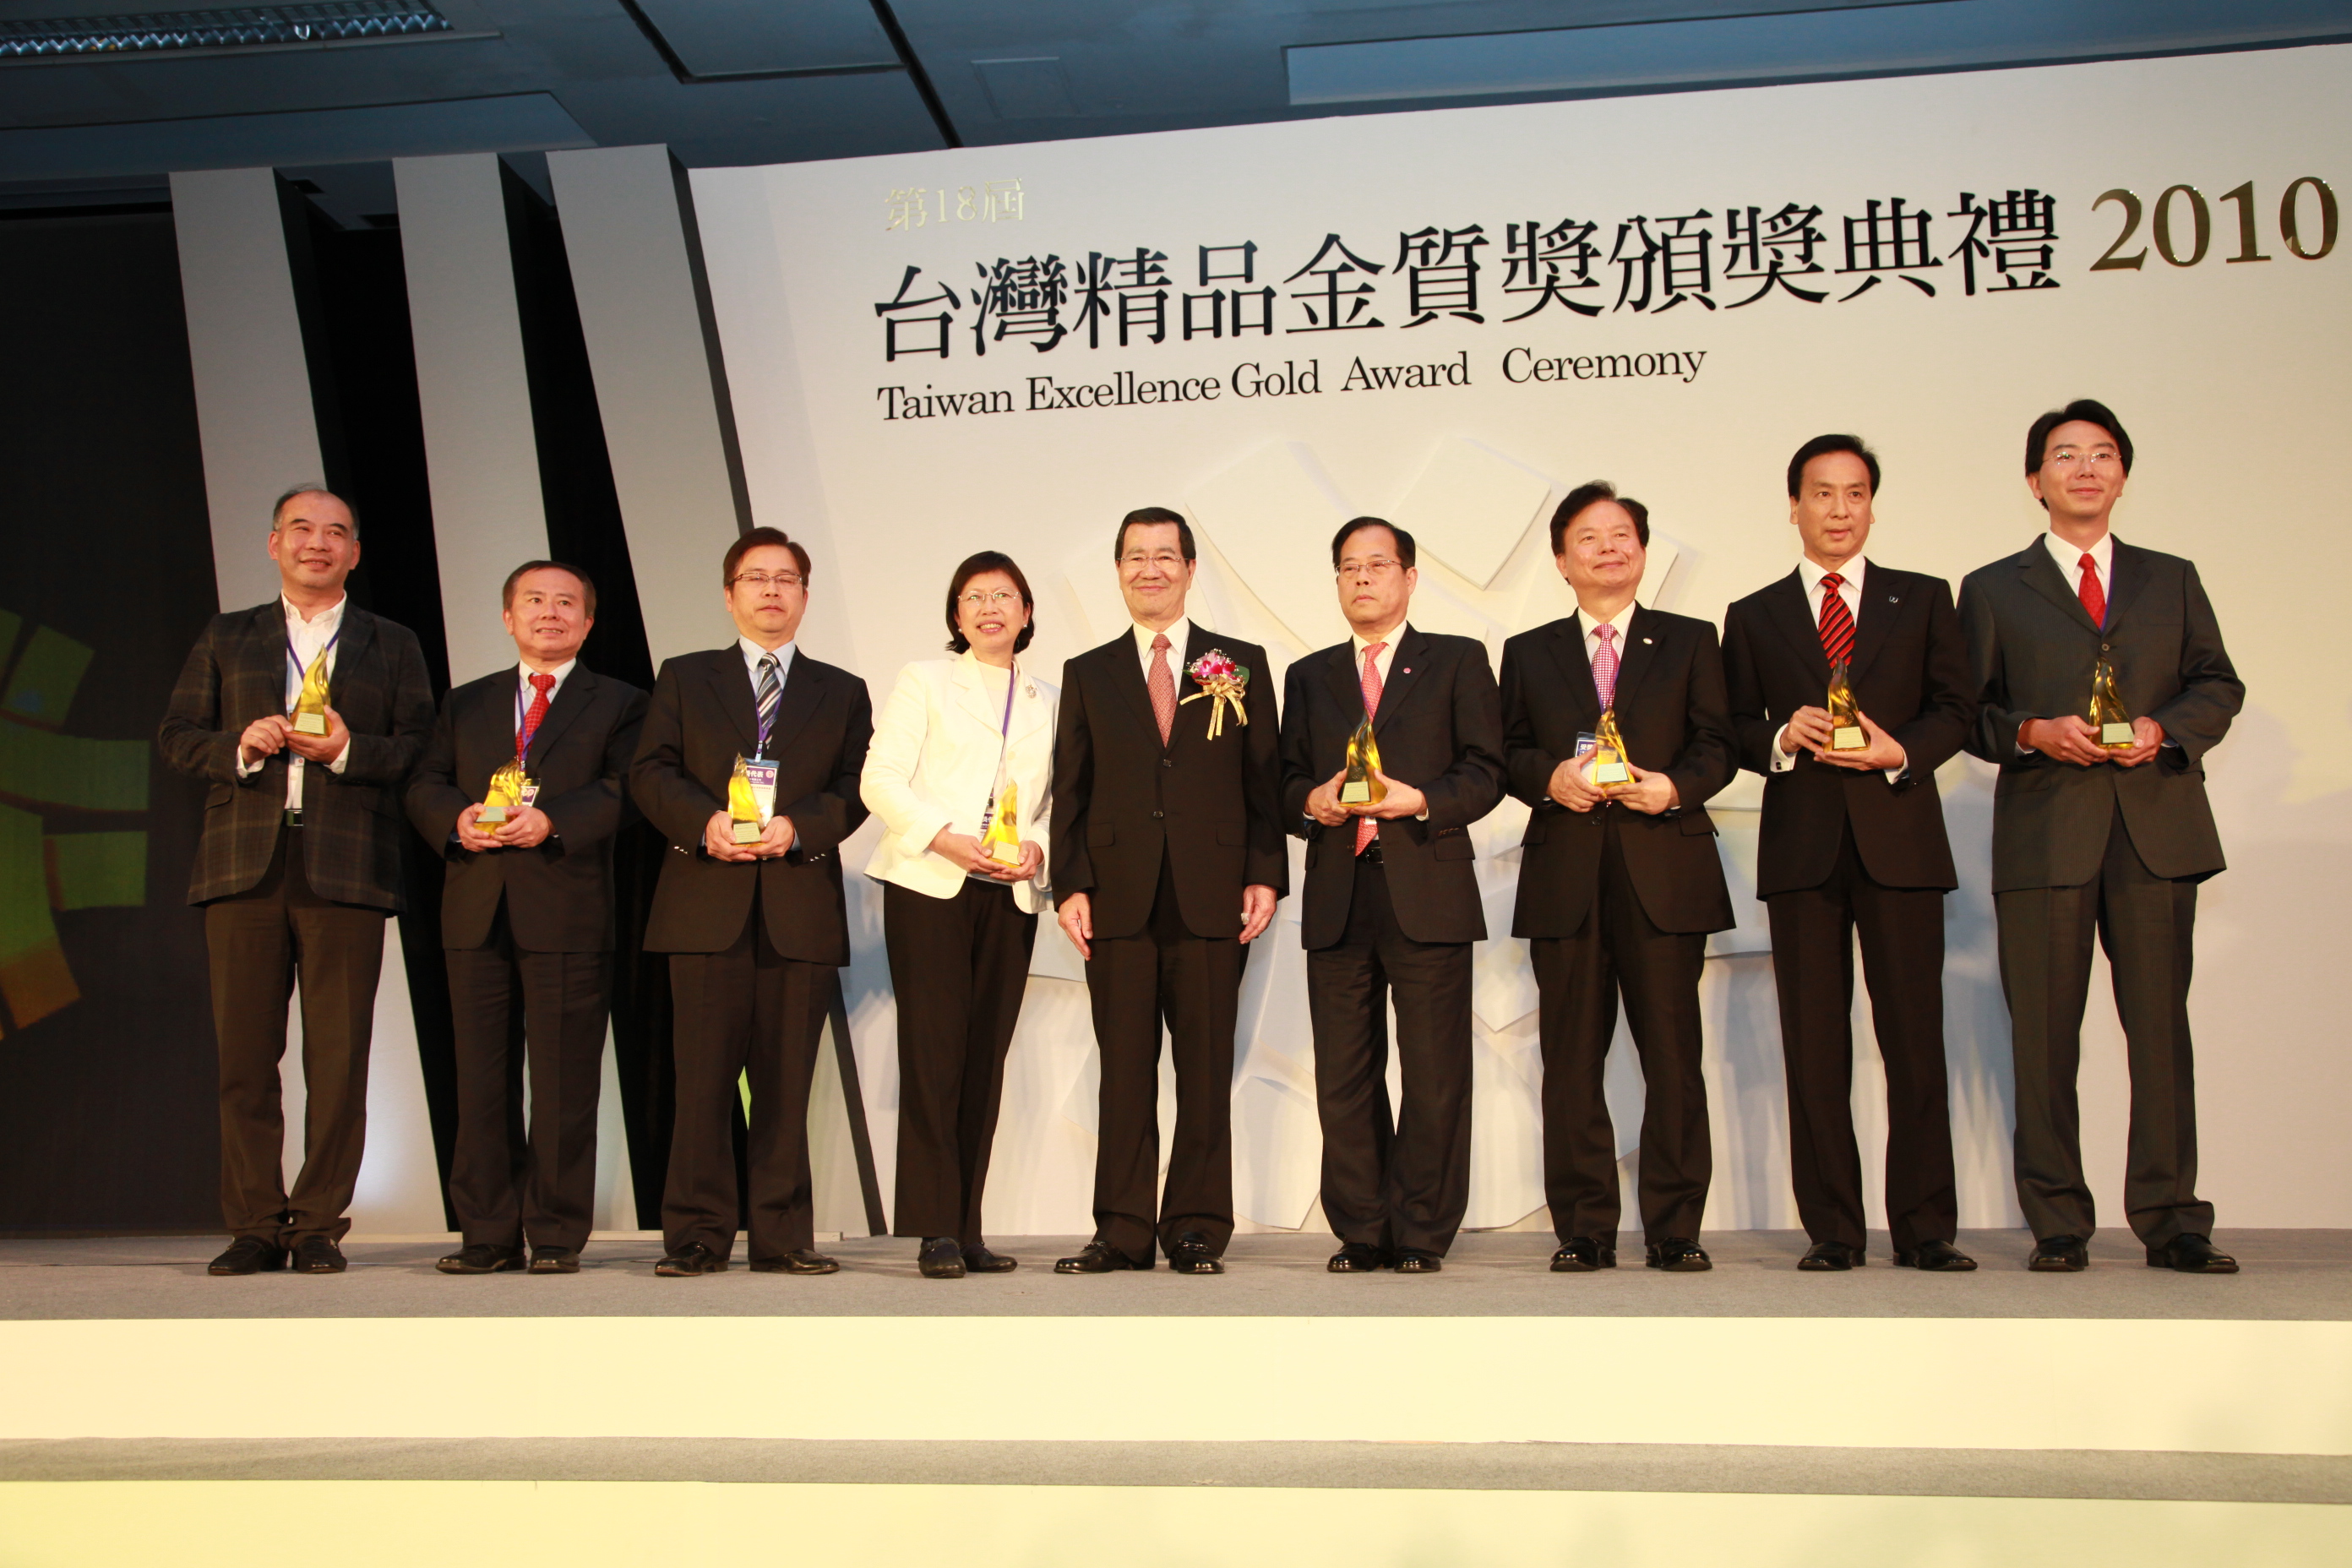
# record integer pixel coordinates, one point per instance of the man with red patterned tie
(527, 920)
(2099, 830)
(1854, 842)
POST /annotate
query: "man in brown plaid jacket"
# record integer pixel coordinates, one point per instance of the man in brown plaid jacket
(298, 865)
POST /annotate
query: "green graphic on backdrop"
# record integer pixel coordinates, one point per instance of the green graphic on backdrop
(43, 872)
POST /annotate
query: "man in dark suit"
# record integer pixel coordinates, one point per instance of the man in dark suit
(1853, 840)
(298, 865)
(755, 932)
(527, 920)
(2099, 838)
(1391, 901)
(1619, 887)
(1167, 860)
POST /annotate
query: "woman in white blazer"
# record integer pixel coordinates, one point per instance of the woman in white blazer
(957, 739)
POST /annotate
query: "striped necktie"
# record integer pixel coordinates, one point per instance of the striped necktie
(1837, 621)
(771, 694)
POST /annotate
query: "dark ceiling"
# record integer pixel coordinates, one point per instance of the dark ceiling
(756, 81)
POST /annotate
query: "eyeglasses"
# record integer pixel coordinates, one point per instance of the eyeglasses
(2097, 457)
(761, 579)
(976, 600)
(1379, 566)
(1166, 560)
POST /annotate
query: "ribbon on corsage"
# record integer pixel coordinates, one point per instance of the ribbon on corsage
(1223, 683)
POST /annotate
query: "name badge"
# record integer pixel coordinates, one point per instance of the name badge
(1587, 742)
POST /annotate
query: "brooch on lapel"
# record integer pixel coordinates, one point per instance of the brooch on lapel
(1223, 683)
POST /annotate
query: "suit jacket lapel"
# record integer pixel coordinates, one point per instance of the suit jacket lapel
(1634, 661)
(1793, 612)
(1347, 689)
(1405, 668)
(579, 690)
(971, 695)
(2127, 570)
(2041, 572)
(1882, 600)
(1576, 668)
(352, 646)
(1127, 680)
(795, 707)
(730, 683)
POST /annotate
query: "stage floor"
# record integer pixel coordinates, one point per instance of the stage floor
(1494, 1412)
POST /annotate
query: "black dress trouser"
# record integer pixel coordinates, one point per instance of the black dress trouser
(1902, 932)
(959, 967)
(1391, 1182)
(1165, 972)
(509, 1005)
(1578, 981)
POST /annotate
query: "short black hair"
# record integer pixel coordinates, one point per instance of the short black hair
(587, 583)
(2090, 411)
(277, 508)
(973, 565)
(1151, 514)
(1585, 495)
(1407, 555)
(1821, 447)
(752, 539)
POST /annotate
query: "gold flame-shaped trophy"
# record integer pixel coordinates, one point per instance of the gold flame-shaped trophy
(507, 791)
(1846, 733)
(1000, 840)
(311, 702)
(2107, 715)
(1362, 785)
(744, 807)
(1610, 771)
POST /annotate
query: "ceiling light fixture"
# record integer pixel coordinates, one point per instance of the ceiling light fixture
(244, 27)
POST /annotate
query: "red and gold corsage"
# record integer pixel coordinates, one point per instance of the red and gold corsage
(1223, 683)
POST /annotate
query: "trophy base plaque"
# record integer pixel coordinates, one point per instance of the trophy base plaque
(748, 833)
(1004, 854)
(2117, 737)
(495, 815)
(309, 723)
(1356, 792)
(1849, 738)
(1607, 773)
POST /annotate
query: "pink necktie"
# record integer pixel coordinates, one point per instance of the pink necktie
(1604, 664)
(1163, 687)
(1369, 828)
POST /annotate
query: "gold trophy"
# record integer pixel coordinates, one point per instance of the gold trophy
(2107, 715)
(1846, 733)
(311, 702)
(506, 792)
(1000, 841)
(1609, 763)
(743, 800)
(1362, 785)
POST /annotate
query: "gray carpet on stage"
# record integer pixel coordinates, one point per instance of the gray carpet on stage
(2289, 1273)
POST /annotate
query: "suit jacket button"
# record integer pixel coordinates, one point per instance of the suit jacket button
(2105, 648)
(1157, 814)
(1167, 762)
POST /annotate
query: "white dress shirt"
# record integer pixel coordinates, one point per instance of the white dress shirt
(1178, 635)
(1814, 575)
(2070, 564)
(1621, 620)
(309, 639)
(525, 690)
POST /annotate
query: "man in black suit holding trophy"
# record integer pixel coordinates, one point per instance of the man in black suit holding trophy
(1849, 690)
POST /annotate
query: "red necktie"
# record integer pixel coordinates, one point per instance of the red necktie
(1163, 687)
(1369, 828)
(2095, 598)
(1837, 621)
(541, 683)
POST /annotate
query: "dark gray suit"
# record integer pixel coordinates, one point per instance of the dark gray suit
(2100, 850)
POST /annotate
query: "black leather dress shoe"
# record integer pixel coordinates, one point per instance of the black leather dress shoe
(799, 1261)
(2191, 1255)
(1831, 1257)
(1416, 1260)
(1582, 1255)
(481, 1258)
(554, 1260)
(1191, 1254)
(1099, 1258)
(981, 1260)
(248, 1255)
(1677, 1254)
(940, 1258)
(2059, 1255)
(1357, 1257)
(688, 1260)
(1934, 1257)
(318, 1255)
